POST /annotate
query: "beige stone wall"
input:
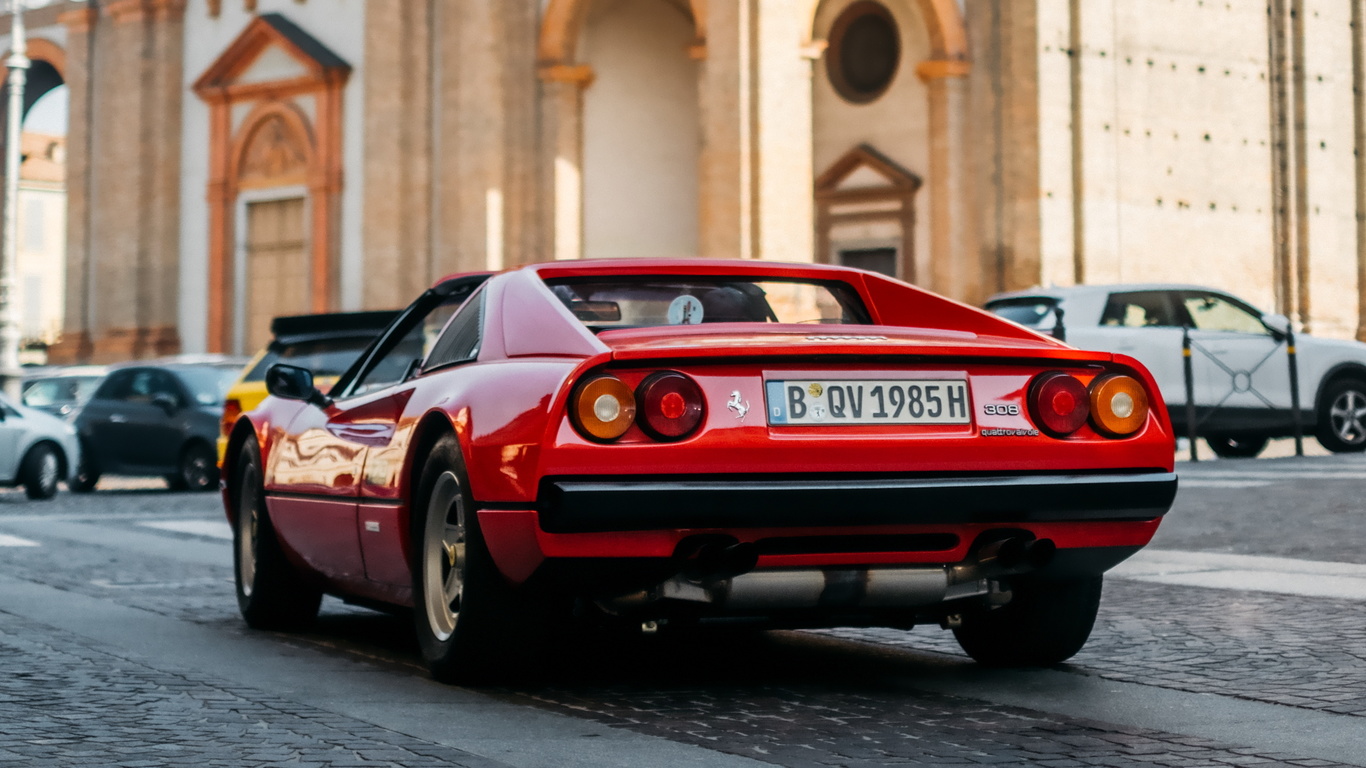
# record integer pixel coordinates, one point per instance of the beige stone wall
(1157, 135)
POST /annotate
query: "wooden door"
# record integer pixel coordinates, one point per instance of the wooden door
(278, 275)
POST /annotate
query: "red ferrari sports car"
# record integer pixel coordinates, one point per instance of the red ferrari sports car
(675, 443)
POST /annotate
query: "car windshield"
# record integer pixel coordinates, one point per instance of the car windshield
(324, 357)
(627, 302)
(208, 384)
(1031, 312)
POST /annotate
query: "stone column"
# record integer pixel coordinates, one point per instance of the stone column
(953, 270)
(562, 137)
(755, 175)
(397, 230)
(76, 345)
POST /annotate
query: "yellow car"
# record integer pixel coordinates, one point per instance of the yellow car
(325, 344)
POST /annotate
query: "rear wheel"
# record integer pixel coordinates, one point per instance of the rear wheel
(270, 593)
(1043, 624)
(1231, 447)
(198, 470)
(472, 626)
(40, 471)
(1342, 416)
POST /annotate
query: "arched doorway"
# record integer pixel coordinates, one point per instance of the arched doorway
(623, 82)
(272, 264)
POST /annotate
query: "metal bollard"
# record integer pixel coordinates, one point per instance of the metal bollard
(1294, 392)
(1190, 390)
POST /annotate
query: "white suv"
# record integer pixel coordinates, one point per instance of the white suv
(1240, 366)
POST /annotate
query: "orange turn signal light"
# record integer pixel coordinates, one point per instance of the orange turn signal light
(603, 408)
(1119, 405)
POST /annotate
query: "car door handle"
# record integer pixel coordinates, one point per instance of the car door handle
(117, 419)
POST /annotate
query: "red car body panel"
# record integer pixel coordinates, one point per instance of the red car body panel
(339, 481)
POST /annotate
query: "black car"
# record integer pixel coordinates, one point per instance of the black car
(155, 420)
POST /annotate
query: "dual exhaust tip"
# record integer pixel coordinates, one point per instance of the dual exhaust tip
(719, 559)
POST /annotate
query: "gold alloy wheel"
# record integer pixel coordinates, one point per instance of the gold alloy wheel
(443, 556)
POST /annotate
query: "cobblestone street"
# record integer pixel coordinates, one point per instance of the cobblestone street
(120, 645)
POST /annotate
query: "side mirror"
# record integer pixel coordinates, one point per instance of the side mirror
(1277, 324)
(290, 382)
(166, 402)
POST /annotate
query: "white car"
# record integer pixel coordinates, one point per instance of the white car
(1239, 361)
(36, 450)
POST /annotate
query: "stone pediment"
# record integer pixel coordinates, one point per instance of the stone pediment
(272, 51)
(865, 170)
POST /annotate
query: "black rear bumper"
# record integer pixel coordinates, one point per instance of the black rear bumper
(586, 505)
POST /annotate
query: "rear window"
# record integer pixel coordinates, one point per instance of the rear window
(630, 302)
(1032, 312)
(324, 357)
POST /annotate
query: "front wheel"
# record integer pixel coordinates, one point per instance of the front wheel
(472, 625)
(39, 472)
(1044, 623)
(1230, 447)
(86, 476)
(270, 592)
(1341, 424)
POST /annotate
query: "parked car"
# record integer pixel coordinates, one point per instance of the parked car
(36, 449)
(60, 391)
(155, 420)
(662, 443)
(1240, 367)
(326, 344)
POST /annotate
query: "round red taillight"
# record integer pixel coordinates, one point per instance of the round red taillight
(671, 405)
(1059, 403)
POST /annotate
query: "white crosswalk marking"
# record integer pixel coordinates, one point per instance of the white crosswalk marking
(1197, 482)
(14, 541)
(1253, 573)
(214, 529)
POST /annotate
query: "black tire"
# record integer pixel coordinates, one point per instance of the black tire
(40, 471)
(86, 476)
(1231, 447)
(472, 626)
(1341, 423)
(198, 470)
(1043, 624)
(270, 592)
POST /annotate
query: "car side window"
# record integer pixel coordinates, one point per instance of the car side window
(394, 363)
(1212, 312)
(461, 340)
(116, 387)
(145, 385)
(1139, 309)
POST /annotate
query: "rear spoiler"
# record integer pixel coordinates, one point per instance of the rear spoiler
(330, 324)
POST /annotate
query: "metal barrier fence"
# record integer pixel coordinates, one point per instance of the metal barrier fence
(1192, 425)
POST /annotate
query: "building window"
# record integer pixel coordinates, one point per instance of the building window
(865, 50)
(34, 226)
(881, 260)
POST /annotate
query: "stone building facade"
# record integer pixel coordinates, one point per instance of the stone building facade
(234, 159)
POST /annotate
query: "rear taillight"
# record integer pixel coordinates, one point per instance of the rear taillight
(1119, 405)
(603, 408)
(1059, 403)
(671, 405)
(232, 411)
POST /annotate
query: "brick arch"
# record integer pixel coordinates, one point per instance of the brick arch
(42, 49)
(943, 18)
(562, 22)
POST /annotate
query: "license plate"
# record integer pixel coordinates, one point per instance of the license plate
(867, 401)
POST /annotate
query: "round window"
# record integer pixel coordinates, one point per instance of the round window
(864, 52)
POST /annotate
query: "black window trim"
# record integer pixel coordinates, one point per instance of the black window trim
(399, 328)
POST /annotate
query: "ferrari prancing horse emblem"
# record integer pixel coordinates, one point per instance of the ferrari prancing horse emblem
(740, 408)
